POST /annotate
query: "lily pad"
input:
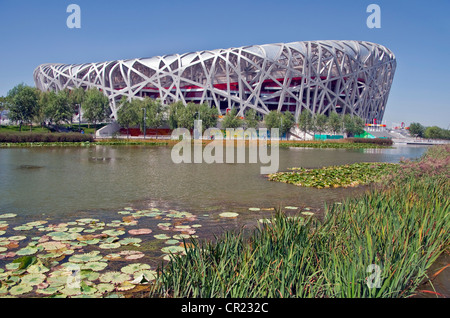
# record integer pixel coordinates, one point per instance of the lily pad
(140, 231)
(108, 246)
(20, 289)
(27, 251)
(105, 287)
(136, 267)
(228, 214)
(172, 249)
(254, 209)
(94, 266)
(307, 213)
(114, 277)
(86, 257)
(161, 237)
(7, 215)
(33, 279)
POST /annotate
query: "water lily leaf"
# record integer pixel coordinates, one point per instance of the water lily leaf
(89, 275)
(172, 242)
(37, 268)
(136, 267)
(291, 207)
(48, 291)
(228, 214)
(307, 213)
(87, 289)
(20, 289)
(130, 240)
(109, 245)
(181, 236)
(63, 236)
(140, 231)
(144, 276)
(3, 249)
(33, 279)
(114, 277)
(94, 266)
(86, 257)
(254, 209)
(114, 232)
(27, 251)
(70, 291)
(7, 215)
(172, 249)
(17, 238)
(22, 228)
(76, 229)
(161, 236)
(126, 286)
(105, 287)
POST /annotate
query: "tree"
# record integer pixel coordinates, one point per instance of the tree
(416, 130)
(287, 122)
(154, 113)
(335, 122)
(95, 106)
(128, 114)
(305, 121)
(76, 99)
(22, 104)
(273, 120)
(434, 132)
(321, 123)
(208, 116)
(58, 108)
(175, 111)
(231, 120)
(353, 125)
(252, 118)
(187, 115)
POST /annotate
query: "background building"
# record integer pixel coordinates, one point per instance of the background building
(349, 77)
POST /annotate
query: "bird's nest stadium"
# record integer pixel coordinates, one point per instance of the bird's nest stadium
(348, 77)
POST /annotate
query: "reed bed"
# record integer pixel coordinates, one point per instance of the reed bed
(400, 228)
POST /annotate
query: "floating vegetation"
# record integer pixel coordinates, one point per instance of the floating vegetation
(336, 176)
(228, 215)
(45, 257)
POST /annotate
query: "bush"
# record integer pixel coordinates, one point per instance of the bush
(377, 141)
(44, 137)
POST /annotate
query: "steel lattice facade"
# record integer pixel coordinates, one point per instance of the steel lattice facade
(349, 77)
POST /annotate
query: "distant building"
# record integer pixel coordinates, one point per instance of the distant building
(349, 77)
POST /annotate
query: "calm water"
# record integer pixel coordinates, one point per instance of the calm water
(65, 181)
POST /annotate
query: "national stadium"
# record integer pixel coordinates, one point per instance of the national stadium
(348, 77)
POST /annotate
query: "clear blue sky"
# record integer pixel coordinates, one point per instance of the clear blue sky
(34, 32)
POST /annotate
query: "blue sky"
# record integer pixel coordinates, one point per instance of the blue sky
(35, 32)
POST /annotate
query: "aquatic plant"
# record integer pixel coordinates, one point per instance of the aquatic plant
(336, 176)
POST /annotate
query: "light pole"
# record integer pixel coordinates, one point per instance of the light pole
(79, 117)
(145, 117)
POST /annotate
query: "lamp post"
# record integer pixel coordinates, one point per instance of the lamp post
(79, 117)
(145, 117)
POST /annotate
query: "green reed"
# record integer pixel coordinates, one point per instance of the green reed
(401, 228)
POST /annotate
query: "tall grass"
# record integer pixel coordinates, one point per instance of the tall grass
(401, 228)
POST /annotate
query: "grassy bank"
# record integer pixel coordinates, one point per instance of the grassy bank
(399, 229)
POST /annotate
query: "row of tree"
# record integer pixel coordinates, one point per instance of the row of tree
(431, 132)
(28, 105)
